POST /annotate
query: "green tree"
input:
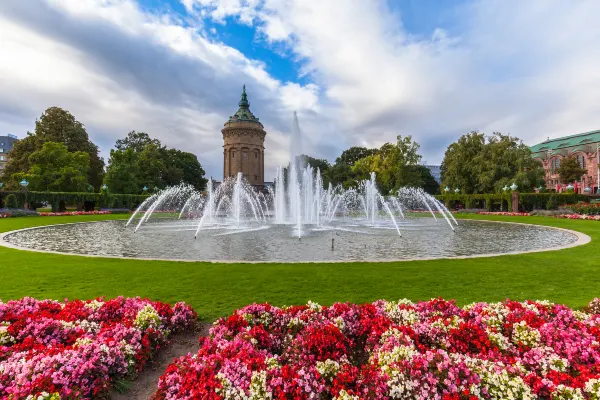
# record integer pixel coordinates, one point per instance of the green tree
(476, 164)
(395, 165)
(183, 167)
(122, 173)
(54, 168)
(136, 141)
(353, 154)
(569, 170)
(140, 160)
(60, 126)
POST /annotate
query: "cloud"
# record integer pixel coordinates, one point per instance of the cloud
(117, 68)
(525, 68)
(528, 68)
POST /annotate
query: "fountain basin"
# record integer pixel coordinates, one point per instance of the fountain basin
(353, 240)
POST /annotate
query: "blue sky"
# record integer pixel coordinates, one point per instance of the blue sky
(358, 72)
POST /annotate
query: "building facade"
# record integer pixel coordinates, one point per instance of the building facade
(584, 147)
(243, 145)
(6, 144)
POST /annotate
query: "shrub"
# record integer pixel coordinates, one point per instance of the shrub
(550, 213)
(552, 203)
(9, 213)
(11, 201)
(470, 211)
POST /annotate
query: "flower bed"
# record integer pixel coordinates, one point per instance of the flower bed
(62, 214)
(75, 349)
(400, 350)
(579, 216)
(585, 208)
(510, 214)
(11, 213)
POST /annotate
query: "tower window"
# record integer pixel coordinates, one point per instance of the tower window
(233, 155)
(245, 154)
(581, 160)
(255, 155)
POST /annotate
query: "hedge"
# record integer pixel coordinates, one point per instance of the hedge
(497, 201)
(86, 201)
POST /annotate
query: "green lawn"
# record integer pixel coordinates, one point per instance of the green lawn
(568, 276)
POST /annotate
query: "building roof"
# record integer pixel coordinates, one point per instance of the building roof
(243, 113)
(578, 141)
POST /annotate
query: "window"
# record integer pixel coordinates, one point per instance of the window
(555, 164)
(1, 150)
(233, 155)
(255, 177)
(581, 160)
(256, 155)
(1, 158)
(245, 155)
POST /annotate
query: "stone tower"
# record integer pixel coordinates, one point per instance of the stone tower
(243, 145)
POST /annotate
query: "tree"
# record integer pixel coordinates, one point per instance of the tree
(480, 164)
(570, 170)
(54, 168)
(136, 141)
(140, 160)
(183, 167)
(353, 154)
(122, 173)
(395, 165)
(59, 126)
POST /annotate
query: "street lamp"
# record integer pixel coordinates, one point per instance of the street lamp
(24, 183)
(587, 189)
(513, 187)
(456, 190)
(569, 187)
(145, 189)
(104, 187)
(446, 189)
(505, 188)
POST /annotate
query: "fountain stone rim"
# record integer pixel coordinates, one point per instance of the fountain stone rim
(582, 239)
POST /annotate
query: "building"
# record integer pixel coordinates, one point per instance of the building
(435, 172)
(584, 146)
(6, 144)
(243, 145)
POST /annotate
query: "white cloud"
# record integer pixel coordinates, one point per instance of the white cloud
(527, 68)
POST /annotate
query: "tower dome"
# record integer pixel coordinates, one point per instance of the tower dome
(243, 144)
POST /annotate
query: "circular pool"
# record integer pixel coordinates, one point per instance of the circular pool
(422, 238)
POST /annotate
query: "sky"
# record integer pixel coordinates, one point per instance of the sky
(358, 72)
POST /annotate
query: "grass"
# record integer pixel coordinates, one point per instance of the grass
(569, 276)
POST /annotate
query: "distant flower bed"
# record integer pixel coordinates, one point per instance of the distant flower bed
(10, 213)
(511, 214)
(400, 350)
(75, 349)
(62, 214)
(579, 216)
(585, 208)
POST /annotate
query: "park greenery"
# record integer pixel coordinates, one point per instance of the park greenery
(396, 165)
(141, 161)
(58, 156)
(569, 170)
(477, 163)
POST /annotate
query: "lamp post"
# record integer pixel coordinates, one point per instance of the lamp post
(587, 189)
(104, 187)
(145, 189)
(513, 187)
(24, 184)
(446, 189)
(569, 187)
(457, 190)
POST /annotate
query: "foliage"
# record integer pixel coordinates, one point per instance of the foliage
(584, 208)
(552, 203)
(11, 201)
(60, 126)
(350, 156)
(395, 166)
(570, 170)
(476, 165)
(140, 161)
(527, 201)
(12, 212)
(54, 168)
(129, 201)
